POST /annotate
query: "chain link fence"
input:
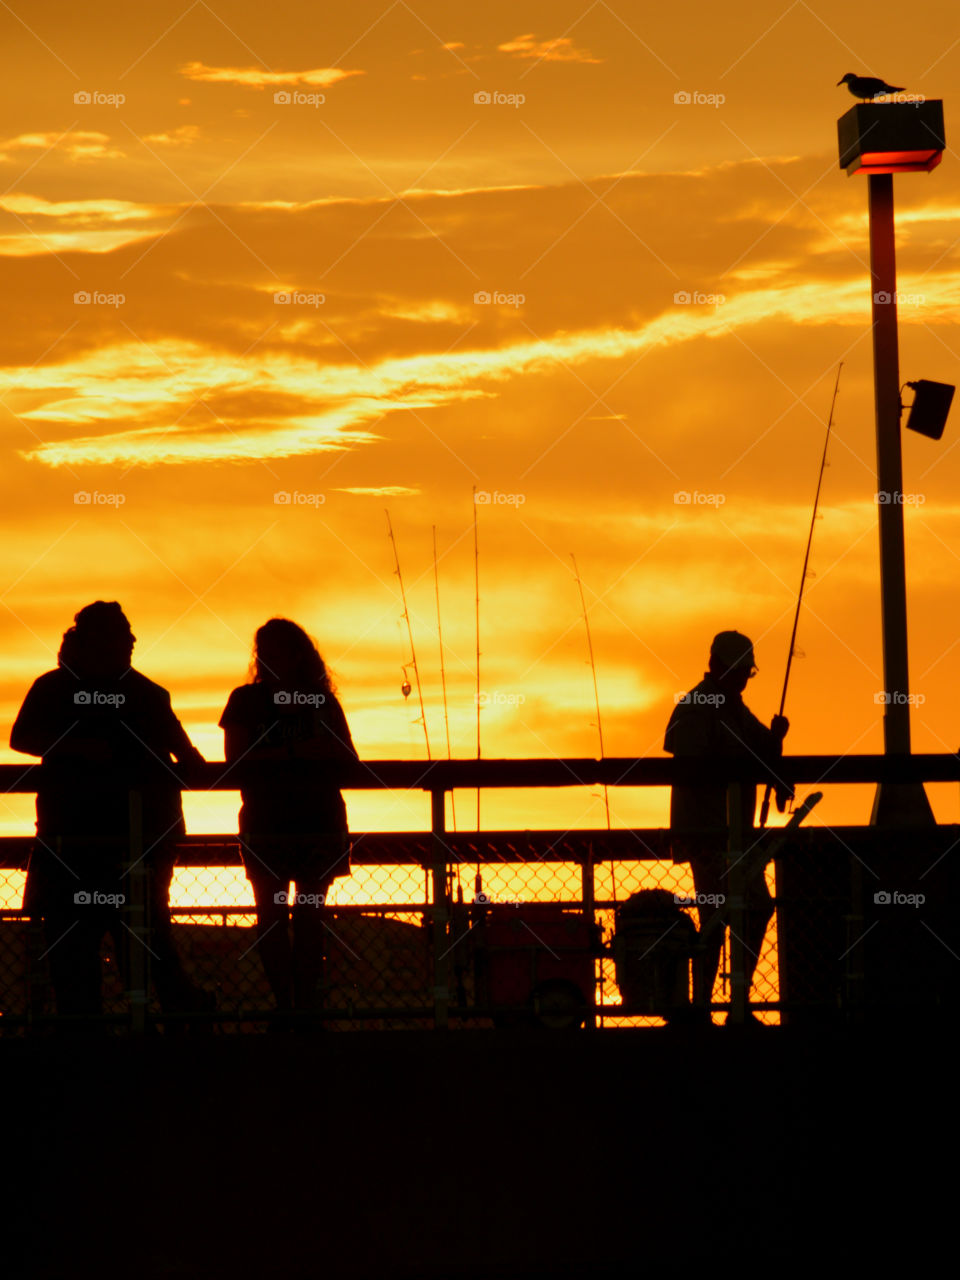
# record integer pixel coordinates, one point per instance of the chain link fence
(531, 923)
(557, 930)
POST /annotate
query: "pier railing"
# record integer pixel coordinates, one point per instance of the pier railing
(466, 929)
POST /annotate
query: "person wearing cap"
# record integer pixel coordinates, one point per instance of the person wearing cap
(103, 729)
(713, 722)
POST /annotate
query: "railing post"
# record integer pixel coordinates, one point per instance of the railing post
(441, 909)
(736, 908)
(588, 897)
(133, 912)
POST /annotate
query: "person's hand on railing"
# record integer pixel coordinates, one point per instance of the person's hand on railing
(191, 763)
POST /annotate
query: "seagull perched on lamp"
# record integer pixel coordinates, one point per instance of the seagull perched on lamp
(867, 87)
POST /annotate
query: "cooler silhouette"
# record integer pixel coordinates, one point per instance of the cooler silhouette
(534, 963)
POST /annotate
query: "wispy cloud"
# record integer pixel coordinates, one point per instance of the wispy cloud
(78, 144)
(560, 49)
(257, 78)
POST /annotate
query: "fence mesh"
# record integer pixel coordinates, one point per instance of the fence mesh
(526, 933)
(518, 930)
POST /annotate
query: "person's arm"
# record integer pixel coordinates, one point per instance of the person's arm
(42, 729)
(238, 735)
(33, 733)
(690, 731)
(178, 740)
(332, 740)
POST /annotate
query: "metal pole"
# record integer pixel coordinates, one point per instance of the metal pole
(894, 804)
(135, 911)
(736, 917)
(441, 911)
(588, 897)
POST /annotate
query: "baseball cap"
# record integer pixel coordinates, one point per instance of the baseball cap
(731, 649)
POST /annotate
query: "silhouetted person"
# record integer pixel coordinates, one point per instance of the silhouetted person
(712, 722)
(284, 729)
(102, 728)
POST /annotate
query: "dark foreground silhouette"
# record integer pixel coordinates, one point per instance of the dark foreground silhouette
(711, 722)
(282, 730)
(103, 729)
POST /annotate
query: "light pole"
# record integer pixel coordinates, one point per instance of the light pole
(881, 139)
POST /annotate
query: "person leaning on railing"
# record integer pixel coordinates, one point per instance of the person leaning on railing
(711, 722)
(282, 731)
(103, 729)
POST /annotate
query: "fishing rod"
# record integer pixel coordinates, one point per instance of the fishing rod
(606, 795)
(443, 674)
(478, 883)
(405, 687)
(765, 807)
(593, 668)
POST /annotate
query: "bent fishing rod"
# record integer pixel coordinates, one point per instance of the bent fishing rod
(765, 807)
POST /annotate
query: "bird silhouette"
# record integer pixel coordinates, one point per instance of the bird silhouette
(867, 87)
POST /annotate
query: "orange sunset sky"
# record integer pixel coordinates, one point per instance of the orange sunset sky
(384, 168)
